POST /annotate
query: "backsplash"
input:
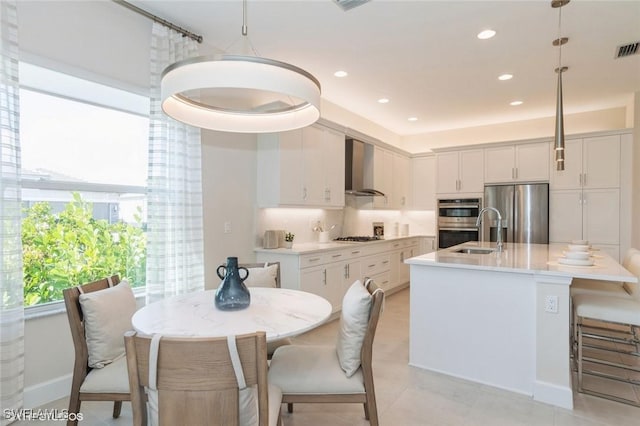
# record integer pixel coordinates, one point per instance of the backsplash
(347, 221)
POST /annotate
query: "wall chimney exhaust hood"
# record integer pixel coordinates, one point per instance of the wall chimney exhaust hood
(354, 170)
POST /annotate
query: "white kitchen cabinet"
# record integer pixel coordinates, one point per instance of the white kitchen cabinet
(324, 281)
(334, 168)
(427, 245)
(590, 163)
(460, 172)
(585, 198)
(517, 163)
(401, 174)
(592, 215)
(329, 273)
(423, 183)
(303, 167)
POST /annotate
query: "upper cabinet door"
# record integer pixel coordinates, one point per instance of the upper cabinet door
(313, 167)
(589, 163)
(532, 162)
(571, 176)
(471, 171)
(423, 183)
(401, 173)
(290, 168)
(447, 172)
(519, 163)
(334, 168)
(601, 162)
(499, 164)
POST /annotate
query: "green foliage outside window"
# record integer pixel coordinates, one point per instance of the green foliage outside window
(71, 247)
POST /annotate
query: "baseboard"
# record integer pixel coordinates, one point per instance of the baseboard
(549, 393)
(46, 392)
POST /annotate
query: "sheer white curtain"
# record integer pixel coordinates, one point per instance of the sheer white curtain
(11, 296)
(175, 234)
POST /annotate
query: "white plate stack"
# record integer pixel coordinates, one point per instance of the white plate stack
(577, 255)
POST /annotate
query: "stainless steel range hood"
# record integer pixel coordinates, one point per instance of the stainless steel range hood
(354, 170)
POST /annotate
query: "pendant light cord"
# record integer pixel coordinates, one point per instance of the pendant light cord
(246, 41)
(559, 39)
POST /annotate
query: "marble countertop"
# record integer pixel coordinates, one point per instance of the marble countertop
(315, 247)
(525, 258)
(279, 312)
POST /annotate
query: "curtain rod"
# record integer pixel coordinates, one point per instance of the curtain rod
(159, 20)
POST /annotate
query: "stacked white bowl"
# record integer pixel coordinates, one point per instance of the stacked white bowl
(577, 255)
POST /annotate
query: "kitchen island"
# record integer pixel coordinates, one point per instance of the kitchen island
(501, 319)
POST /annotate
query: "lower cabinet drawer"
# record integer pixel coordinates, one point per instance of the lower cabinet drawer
(376, 264)
(315, 259)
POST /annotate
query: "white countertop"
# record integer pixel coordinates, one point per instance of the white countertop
(525, 258)
(314, 247)
(277, 311)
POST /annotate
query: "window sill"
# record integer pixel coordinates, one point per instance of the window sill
(54, 308)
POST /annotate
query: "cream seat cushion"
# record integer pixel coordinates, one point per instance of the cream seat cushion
(613, 309)
(311, 369)
(112, 378)
(107, 316)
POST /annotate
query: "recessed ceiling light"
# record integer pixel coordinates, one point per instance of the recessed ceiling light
(413, 119)
(483, 35)
(505, 77)
(516, 103)
(383, 100)
(341, 73)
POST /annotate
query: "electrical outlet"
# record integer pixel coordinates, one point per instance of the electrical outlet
(551, 304)
(227, 227)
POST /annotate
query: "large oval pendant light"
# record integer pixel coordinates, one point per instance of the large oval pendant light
(239, 93)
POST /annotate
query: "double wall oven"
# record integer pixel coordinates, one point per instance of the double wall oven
(457, 221)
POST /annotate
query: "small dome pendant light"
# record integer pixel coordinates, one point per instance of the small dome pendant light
(240, 93)
(559, 128)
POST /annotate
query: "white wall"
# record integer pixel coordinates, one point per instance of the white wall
(610, 119)
(229, 195)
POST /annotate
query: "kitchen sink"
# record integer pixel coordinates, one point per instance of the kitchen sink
(474, 250)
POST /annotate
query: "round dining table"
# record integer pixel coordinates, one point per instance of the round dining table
(278, 312)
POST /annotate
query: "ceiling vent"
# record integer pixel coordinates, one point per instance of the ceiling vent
(627, 50)
(350, 4)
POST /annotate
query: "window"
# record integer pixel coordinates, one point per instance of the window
(84, 171)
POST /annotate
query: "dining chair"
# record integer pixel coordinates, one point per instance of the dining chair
(621, 347)
(98, 311)
(201, 381)
(335, 374)
(266, 275)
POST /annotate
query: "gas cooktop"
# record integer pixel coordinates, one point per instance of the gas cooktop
(358, 239)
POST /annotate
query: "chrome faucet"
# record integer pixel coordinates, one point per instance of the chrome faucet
(499, 231)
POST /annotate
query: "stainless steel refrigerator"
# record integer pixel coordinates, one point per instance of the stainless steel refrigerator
(524, 209)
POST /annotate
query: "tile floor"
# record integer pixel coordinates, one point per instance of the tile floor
(410, 396)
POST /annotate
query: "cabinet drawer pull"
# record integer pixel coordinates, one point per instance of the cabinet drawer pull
(315, 259)
(371, 266)
(396, 245)
(336, 255)
(385, 262)
(355, 252)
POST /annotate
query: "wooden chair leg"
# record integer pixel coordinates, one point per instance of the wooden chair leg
(290, 407)
(74, 407)
(371, 410)
(117, 407)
